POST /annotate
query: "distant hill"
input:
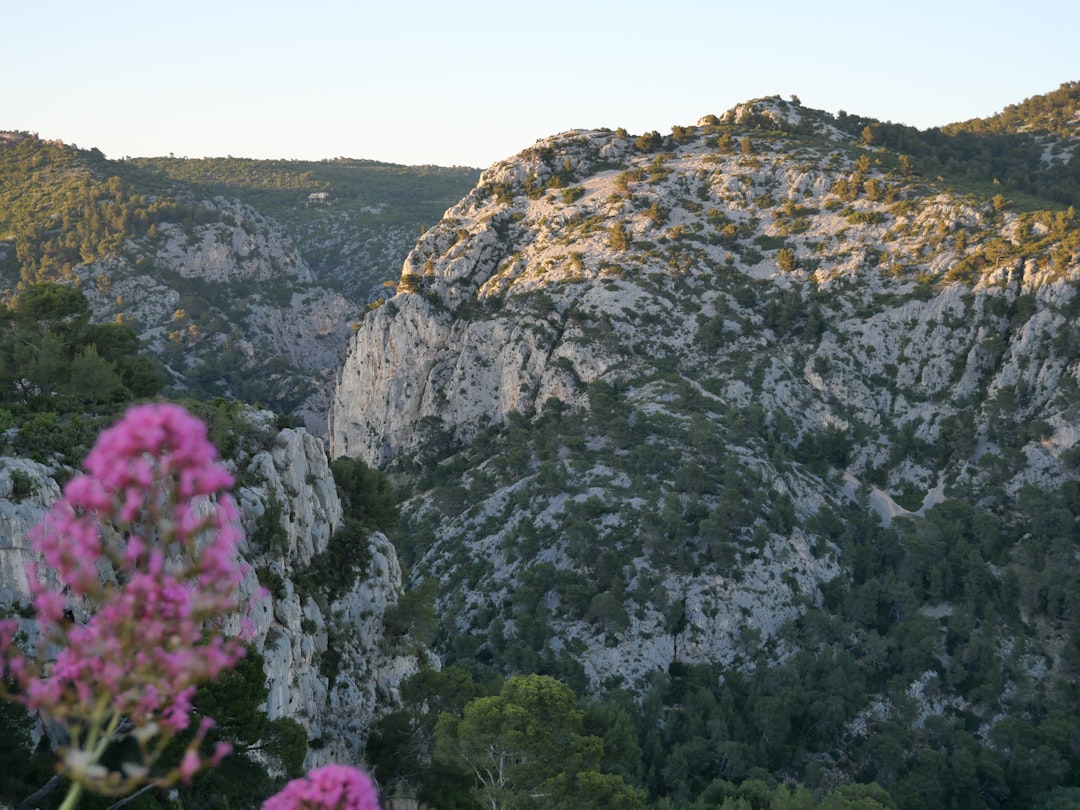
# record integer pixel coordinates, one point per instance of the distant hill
(353, 220)
(243, 276)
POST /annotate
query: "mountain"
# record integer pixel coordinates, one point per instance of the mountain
(242, 276)
(353, 221)
(759, 436)
(765, 420)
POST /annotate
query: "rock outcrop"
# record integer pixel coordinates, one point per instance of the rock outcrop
(231, 304)
(299, 629)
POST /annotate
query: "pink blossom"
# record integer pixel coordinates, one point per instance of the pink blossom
(221, 750)
(189, 766)
(331, 787)
(144, 546)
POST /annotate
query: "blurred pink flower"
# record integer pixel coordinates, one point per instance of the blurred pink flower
(331, 787)
(141, 569)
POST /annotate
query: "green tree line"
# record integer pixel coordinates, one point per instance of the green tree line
(61, 207)
(1007, 150)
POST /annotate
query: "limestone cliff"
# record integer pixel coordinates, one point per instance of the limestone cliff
(724, 323)
(230, 305)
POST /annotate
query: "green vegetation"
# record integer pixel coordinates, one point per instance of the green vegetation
(61, 375)
(527, 741)
(526, 745)
(385, 192)
(264, 750)
(843, 702)
(720, 456)
(61, 207)
(1004, 152)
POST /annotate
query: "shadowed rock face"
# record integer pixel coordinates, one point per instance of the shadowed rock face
(792, 282)
(233, 295)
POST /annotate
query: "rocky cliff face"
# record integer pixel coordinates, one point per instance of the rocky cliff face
(27, 489)
(760, 292)
(297, 628)
(230, 306)
(300, 628)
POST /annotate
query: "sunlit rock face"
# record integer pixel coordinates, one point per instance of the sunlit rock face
(768, 295)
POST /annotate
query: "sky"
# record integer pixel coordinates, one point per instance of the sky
(472, 82)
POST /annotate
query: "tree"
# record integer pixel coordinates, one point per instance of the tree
(48, 347)
(23, 772)
(785, 259)
(93, 378)
(366, 494)
(681, 134)
(402, 743)
(608, 611)
(45, 305)
(525, 748)
(619, 237)
(859, 797)
(592, 790)
(649, 142)
(413, 616)
(43, 365)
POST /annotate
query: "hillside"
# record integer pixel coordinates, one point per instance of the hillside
(1026, 149)
(353, 221)
(241, 276)
(763, 426)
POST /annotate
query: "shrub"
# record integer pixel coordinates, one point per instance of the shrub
(785, 260)
(619, 237)
(570, 195)
(23, 485)
(649, 142)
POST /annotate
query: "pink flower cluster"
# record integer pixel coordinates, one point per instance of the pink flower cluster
(141, 568)
(331, 787)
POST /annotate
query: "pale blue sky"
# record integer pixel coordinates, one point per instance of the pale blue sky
(475, 81)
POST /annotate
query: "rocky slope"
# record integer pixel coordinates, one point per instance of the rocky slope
(242, 276)
(230, 306)
(702, 344)
(291, 512)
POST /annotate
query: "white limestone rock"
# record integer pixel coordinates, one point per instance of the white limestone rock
(20, 511)
(523, 294)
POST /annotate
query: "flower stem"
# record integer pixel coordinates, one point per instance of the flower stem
(72, 798)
